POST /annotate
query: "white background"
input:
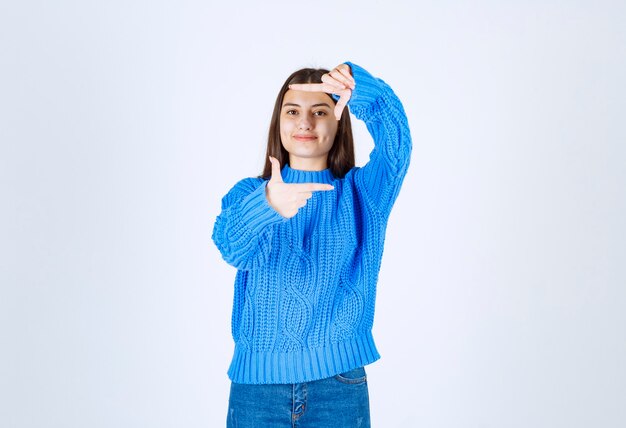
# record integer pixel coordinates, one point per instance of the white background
(502, 294)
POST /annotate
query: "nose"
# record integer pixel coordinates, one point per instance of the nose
(304, 123)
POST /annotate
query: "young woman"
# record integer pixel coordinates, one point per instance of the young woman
(307, 241)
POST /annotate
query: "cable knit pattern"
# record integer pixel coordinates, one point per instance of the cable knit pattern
(305, 287)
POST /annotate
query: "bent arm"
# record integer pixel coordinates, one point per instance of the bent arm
(243, 230)
(374, 102)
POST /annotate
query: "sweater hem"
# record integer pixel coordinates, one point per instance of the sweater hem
(305, 365)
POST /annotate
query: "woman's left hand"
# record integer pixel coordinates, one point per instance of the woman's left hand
(338, 81)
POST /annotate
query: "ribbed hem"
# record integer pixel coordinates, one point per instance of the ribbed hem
(257, 212)
(300, 176)
(304, 365)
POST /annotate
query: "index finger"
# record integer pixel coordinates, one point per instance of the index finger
(312, 187)
(315, 87)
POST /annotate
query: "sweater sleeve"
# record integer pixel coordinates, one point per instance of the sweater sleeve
(242, 231)
(374, 102)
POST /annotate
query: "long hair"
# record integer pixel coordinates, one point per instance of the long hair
(341, 154)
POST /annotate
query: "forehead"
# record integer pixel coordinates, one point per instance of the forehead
(305, 99)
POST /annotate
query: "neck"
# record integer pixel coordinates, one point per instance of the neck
(308, 164)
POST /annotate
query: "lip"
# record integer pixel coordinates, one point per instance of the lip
(304, 137)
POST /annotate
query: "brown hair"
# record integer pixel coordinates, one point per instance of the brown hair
(341, 154)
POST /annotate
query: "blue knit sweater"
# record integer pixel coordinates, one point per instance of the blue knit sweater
(306, 286)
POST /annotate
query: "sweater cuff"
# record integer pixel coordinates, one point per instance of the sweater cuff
(367, 88)
(257, 213)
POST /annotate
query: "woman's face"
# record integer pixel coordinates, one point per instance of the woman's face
(307, 128)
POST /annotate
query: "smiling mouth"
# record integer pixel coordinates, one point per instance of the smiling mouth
(304, 137)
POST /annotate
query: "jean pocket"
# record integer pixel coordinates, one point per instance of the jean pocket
(353, 377)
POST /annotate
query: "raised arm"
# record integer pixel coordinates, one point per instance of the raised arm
(374, 102)
(370, 99)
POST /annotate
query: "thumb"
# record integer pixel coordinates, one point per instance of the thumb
(276, 175)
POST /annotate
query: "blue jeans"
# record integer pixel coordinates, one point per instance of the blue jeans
(341, 401)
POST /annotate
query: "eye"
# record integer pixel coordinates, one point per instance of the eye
(291, 112)
(320, 113)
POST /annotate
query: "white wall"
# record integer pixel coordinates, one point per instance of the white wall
(502, 292)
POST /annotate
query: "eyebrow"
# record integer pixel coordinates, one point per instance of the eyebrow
(314, 105)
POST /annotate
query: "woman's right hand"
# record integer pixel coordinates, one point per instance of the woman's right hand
(288, 198)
